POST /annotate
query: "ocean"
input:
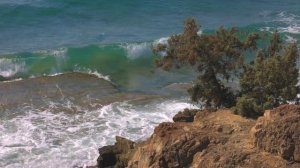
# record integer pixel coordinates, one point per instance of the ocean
(76, 73)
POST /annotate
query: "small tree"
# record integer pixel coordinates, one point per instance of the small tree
(217, 57)
(272, 79)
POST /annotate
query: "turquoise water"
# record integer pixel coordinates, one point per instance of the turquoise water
(31, 25)
(114, 38)
(51, 117)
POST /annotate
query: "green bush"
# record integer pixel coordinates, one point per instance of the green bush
(270, 80)
(217, 57)
(247, 107)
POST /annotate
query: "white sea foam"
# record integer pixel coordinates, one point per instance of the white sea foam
(14, 80)
(200, 32)
(294, 29)
(44, 138)
(9, 68)
(60, 56)
(99, 75)
(286, 17)
(163, 40)
(80, 70)
(285, 23)
(54, 74)
(267, 29)
(136, 50)
(92, 72)
(59, 52)
(291, 22)
(290, 39)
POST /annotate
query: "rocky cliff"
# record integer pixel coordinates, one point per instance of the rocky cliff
(214, 139)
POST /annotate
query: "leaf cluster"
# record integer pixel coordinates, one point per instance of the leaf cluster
(270, 80)
(216, 57)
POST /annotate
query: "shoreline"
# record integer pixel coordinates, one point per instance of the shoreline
(213, 139)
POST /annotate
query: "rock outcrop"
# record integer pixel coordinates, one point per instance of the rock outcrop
(185, 116)
(116, 155)
(214, 139)
(278, 132)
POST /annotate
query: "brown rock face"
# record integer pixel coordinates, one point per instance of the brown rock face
(216, 139)
(278, 132)
(116, 155)
(180, 148)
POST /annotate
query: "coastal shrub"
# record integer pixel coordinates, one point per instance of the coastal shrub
(268, 81)
(203, 89)
(247, 107)
(217, 57)
(272, 78)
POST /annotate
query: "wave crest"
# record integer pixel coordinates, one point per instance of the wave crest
(136, 50)
(92, 72)
(8, 68)
(289, 23)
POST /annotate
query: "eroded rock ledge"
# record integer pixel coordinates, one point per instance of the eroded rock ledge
(214, 139)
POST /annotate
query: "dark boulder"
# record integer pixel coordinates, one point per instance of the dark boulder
(108, 156)
(116, 155)
(186, 115)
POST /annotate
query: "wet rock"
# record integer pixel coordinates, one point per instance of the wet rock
(69, 85)
(108, 156)
(116, 155)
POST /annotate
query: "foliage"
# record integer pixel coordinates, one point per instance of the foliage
(217, 57)
(247, 107)
(272, 79)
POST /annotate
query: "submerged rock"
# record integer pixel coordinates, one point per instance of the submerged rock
(74, 86)
(82, 90)
(214, 139)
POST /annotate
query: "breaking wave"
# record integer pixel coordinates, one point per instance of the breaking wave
(46, 138)
(9, 68)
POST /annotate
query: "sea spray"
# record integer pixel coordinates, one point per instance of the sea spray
(9, 68)
(52, 137)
